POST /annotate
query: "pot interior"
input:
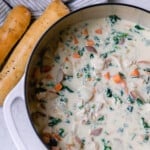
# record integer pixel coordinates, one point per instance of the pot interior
(49, 41)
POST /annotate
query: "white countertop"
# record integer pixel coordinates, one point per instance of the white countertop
(5, 139)
(6, 142)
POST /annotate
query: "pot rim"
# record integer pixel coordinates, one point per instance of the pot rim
(57, 22)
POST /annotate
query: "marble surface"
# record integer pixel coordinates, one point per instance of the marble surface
(18, 110)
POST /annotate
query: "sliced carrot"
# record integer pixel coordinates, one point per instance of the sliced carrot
(107, 75)
(75, 40)
(90, 43)
(98, 31)
(117, 78)
(56, 136)
(85, 32)
(135, 73)
(58, 87)
(76, 55)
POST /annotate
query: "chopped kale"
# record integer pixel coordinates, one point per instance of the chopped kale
(119, 37)
(57, 58)
(105, 55)
(146, 138)
(122, 75)
(53, 121)
(138, 27)
(63, 99)
(130, 99)
(91, 55)
(106, 145)
(67, 121)
(67, 88)
(80, 107)
(121, 130)
(130, 108)
(139, 101)
(108, 92)
(87, 71)
(147, 69)
(113, 19)
(67, 77)
(61, 132)
(101, 118)
(81, 52)
(121, 92)
(111, 108)
(145, 124)
(82, 143)
(117, 98)
(96, 38)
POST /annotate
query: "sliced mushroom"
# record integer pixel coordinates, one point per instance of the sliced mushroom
(86, 93)
(96, 132)
(144, 62)
(59, 76)
(91, 49)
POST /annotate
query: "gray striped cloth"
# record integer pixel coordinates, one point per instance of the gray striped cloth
(37, 6)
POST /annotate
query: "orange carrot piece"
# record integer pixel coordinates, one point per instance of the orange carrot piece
(107, 75)
(117, 78)
(98, 31)
(76, 55)
(75, 40)
(56, 136)
(58, 87)
(135, 73)
(85, 32)
(90, 43)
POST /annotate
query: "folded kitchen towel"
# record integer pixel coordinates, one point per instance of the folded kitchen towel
(37, 6)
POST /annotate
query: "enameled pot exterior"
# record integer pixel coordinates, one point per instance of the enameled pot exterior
(50, 37)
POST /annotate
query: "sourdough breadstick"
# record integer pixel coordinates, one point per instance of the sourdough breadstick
(13, 28)
(15, 67)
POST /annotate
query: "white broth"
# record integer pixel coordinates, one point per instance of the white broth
(94, 94)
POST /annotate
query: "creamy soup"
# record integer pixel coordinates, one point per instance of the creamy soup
(94, 93)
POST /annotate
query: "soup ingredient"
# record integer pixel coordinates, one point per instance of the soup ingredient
(135, 73)
(15, 67)
(13, 28)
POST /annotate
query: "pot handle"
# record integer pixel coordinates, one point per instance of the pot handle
(7, 111)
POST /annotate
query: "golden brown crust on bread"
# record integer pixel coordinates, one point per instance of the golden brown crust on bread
(16, 64)
(13, 28)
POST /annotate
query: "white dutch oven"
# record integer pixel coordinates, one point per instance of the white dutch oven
(22, 91)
